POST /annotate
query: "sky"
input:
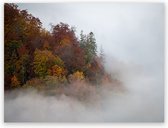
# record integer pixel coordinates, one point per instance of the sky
(131, 32)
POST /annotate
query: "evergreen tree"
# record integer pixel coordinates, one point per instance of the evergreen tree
(88, 43)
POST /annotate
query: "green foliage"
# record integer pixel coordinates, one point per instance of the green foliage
(11, 53)
(11, 56)
(22, 67)
(88, 43)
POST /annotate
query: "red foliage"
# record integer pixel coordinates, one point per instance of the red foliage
(67, 47)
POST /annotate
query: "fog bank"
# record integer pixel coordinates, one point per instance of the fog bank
(142, 101)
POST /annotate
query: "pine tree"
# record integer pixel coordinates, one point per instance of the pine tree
(88, 43)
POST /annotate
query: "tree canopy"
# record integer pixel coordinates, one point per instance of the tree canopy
(32, 53)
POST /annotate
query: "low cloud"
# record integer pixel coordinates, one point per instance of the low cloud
(141, 100)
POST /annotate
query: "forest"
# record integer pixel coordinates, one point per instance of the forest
(41, 59)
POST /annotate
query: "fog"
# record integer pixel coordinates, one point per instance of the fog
(141, 101)
(132, 36)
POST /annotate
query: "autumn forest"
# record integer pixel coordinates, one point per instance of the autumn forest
(41, 59)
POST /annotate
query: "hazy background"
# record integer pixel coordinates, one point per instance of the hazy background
(132, 36)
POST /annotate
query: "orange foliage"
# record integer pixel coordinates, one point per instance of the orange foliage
(56, 71)
(15, 82)
(76, 76)
(46, 45)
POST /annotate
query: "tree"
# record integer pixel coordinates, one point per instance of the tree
(67, 47)
(44, 60)
(76, 76)
(21, 36)
(62, 32)
(57, 71)
(31, 52)
(88, 43)
(23, 67)
(14, 82)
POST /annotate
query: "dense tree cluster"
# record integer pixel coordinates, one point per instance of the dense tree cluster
(35, 55)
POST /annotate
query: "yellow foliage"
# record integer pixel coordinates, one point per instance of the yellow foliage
(44, 60)
(76, 76)
(15, 82)
(56, 71)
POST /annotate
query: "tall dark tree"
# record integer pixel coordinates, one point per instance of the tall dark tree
(88, 43)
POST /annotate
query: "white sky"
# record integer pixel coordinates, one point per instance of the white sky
(131, 32)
